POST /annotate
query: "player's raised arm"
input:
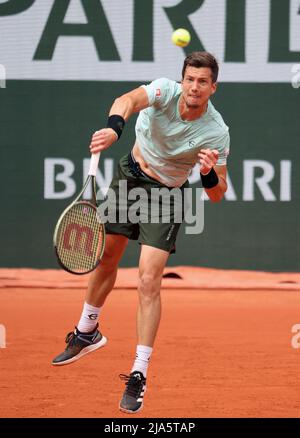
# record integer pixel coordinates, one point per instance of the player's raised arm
(132, 102)
(122, 108)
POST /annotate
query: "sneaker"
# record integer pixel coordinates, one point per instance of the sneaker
(132, 400)
(79, 344)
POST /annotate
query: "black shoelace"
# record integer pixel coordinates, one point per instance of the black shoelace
(134, 384)
(70, 338)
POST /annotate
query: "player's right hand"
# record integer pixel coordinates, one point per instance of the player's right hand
(102, 139)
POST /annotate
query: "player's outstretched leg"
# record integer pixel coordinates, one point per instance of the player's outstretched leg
(87, 338)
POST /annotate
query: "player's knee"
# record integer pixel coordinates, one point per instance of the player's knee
(149, 285)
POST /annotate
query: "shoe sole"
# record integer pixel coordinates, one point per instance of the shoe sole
(83, 352)
(127, 411)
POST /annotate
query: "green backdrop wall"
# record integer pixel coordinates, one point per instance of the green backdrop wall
(42, 120)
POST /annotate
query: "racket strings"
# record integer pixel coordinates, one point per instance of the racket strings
(80, 238)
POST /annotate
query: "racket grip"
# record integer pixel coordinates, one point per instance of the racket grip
(94, 164)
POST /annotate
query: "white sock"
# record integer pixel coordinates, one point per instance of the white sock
(143, 354)
(89, 318)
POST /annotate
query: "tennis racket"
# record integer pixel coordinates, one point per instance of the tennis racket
(79, 235)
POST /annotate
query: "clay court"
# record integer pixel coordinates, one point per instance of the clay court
(222, 350)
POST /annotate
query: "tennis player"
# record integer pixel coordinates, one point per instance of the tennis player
(177, 127)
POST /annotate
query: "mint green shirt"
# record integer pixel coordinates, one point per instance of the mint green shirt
(169, 144)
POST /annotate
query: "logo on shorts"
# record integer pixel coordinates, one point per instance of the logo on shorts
(170, 232)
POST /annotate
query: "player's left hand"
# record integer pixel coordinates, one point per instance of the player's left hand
(208, 159)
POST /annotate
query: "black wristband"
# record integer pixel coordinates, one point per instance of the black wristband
(209, 180)
(116, 123)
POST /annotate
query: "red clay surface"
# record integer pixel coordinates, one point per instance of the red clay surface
(218, 354)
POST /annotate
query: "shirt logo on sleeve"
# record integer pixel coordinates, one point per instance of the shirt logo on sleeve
(158, 93)
(192, 143)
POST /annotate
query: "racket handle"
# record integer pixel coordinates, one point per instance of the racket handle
(94, 164)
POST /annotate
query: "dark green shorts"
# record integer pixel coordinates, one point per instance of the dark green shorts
(141, 212)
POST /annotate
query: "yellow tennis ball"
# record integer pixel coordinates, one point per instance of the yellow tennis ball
(181, 37)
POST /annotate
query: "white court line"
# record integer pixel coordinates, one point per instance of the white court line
(2, 336)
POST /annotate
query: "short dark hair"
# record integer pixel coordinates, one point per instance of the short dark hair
(202, 59)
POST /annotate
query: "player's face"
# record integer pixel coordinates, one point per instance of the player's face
(197, 86)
